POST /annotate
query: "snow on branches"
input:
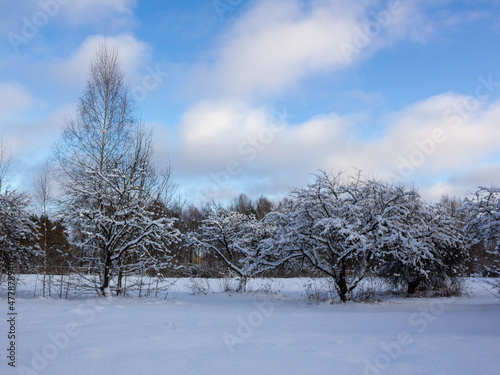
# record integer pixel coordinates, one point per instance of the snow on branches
(483, 224)
(430, 249)
(236, 239)
(351, 228)
(17, 231)
(116, 213)
(111, 191)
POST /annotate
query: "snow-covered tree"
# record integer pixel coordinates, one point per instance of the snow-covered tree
(235, 238)
(430, 249)
(483, 224)
(5, 159)
(110, 187)
(340, 227)
(17, 231)
(349, 228)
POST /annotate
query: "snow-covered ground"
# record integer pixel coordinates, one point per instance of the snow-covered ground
(254, 333)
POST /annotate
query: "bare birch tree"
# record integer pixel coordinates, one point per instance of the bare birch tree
(43, 186)
(110, 187)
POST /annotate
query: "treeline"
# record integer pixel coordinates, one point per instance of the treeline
(108, 213)
(346, 229)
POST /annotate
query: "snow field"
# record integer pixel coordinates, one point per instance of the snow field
(255, 333)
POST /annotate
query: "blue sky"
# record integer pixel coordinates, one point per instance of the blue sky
(254, 96)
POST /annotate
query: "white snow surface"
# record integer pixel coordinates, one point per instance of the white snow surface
(253, 333)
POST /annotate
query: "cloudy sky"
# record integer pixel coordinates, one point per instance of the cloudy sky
(254, 96)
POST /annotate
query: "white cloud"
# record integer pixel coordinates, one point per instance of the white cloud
(13, 99)
(30, 142)
(214, 130)
(78, 12)
(485, 175)
(16, 15)
(226, 142)
(86, 6)
(464, 182)
(448, 140)
(134, 55)
(277, 43)
(163, 143)
(34, 139)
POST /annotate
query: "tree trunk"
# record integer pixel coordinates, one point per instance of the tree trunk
(119, 283)
(343, 289)
(107, 276)
(242, 287)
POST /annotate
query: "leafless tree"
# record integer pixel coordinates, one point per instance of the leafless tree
(243, 204)
(263, 207)
(110, 187)
(43, 186)
(351, 228)
(5, 159)
(483, 226)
